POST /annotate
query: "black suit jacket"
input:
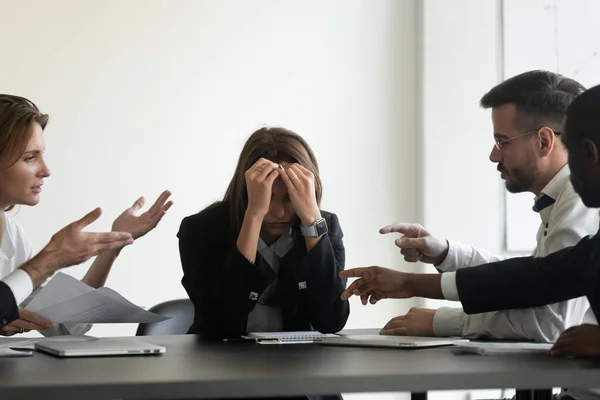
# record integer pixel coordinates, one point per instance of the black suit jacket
(532, 282)
(8, 306)
(219, 279)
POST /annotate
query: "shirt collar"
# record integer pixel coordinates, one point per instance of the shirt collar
(280, 247)
(557, 183)
(7, 248)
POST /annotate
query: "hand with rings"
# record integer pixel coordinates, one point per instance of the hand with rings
(259, 181)
(301, 187)
(28, 321)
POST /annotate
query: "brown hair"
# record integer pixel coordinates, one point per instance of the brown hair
(17, 115)
(277, 145)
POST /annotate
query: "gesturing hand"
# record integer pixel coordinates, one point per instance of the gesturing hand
(71, 246)
(138, 226)
(374, 284)
(417, 244)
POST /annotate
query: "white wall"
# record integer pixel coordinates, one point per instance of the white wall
(146, 95)
(563, 37)
(461, 59)
(461, 62)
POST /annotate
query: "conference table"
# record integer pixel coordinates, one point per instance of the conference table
(195, 369)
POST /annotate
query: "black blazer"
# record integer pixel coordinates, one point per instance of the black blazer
(532, 282)
(8, 305)
(219, 279)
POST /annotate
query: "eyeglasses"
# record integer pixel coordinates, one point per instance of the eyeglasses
(500, 143)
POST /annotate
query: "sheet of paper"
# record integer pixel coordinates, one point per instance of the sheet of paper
(60, 288)
(7, 343)
(66, 300)
(8, 352)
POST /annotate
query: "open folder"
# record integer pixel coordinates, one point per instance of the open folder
(67, 300)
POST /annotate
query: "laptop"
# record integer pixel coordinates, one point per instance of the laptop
(99, 347)
(403, 342)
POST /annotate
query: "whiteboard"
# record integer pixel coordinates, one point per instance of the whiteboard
(556, 35)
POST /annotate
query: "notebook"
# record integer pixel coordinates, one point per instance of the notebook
(497, 348)
(403, 342)
(99, 347)
(288, 337)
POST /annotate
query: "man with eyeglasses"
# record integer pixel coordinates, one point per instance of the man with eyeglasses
(528, 111)
(524, 281)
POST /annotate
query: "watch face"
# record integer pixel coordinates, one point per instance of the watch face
(321, 227)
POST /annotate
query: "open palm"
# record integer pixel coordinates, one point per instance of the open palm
(139, 225)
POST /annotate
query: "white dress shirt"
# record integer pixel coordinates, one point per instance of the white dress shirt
(15, 250)
(563, 224)
(13, 254)
(264, 317)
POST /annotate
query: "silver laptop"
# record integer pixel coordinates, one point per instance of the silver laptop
(99, 347)
(405, 342)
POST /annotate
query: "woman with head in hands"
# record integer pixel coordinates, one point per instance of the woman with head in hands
(266, 258)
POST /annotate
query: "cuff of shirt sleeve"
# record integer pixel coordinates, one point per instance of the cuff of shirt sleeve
(20, 283)
(457, 255)
(449, 288)
(448, 321)
(448, 262)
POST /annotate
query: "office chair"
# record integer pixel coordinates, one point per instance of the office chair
(181, 312)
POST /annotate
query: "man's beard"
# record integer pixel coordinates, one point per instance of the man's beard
(519, 180)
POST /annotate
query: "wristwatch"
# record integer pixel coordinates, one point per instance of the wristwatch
(318, 229)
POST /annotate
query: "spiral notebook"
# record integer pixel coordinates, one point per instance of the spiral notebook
(289, 337)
